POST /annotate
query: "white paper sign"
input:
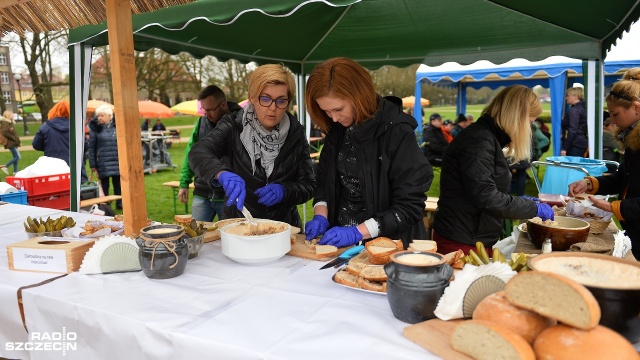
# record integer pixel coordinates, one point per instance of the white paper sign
(40, 260)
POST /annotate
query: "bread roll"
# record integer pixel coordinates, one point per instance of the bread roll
(496, 309)
(562, 342)
(484, 340)
(554, 296)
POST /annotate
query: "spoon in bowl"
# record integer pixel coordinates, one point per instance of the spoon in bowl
(253, 224)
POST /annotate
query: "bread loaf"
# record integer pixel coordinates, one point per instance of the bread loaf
(484, 340)
(496, 309)
(554, 296)
(562, 342)
(423, 245)
(379, 250)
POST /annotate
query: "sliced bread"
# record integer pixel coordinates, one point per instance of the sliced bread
(326, 250)
(554, 296)
(344, 278)
(355, 267)
(373, 273)
(379, 250)
(484, 340)
(423, 245)
(372, 285)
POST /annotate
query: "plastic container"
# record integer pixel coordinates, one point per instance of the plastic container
(41, 185)
(58, 200)
(557, 178)
(19, 197)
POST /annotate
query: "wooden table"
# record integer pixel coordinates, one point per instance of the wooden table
(175, 187)
(430, 206)
(314, 142)
(99, 200)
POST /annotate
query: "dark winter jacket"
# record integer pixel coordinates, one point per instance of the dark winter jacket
(103, 148)
(574, 127)
(394, 175)
(434, 144)
(53, 138)
(7, 129)
(222, 149)
(202, 188)
(626, 183)
(474, 187)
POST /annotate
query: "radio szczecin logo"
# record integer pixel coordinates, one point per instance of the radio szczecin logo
(47, 341)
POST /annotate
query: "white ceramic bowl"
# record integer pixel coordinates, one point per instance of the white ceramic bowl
(256, 249)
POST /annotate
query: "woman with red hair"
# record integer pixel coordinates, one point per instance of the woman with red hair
(53, 135)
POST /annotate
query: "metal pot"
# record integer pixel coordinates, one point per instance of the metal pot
(237, 245)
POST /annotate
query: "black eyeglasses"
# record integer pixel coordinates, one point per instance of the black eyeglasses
(212, 110)
(266, 101)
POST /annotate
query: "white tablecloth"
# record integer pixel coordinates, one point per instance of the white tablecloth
(218, 309)
(12, 217)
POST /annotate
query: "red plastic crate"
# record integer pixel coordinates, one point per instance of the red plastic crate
(58, 200)
(41, 185)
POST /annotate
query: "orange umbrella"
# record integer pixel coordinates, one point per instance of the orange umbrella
(410, 100)
(92, 105)
(152, 109)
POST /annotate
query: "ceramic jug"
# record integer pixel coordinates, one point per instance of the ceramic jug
(416, 282)
(163, 251)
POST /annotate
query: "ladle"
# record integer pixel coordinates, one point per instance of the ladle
(253, 224)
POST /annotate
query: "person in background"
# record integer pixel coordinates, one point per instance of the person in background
(574, 125)
(207, 201)
(476, 180)
(145, 125)
(612, 149)
(434, 141)
(470, 118)
(447, 130)
(260, 153)
(103, 151)
(461, 123)
(540, 142)
(53, 135)
(7, 129)
(544, 129)
(372, 176)
(623, 103)
(159, 126)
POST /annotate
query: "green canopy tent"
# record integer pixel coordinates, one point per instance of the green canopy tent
(302, 34)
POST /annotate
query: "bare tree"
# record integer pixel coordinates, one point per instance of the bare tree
(232, 76)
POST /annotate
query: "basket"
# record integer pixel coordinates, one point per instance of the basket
(597, 227)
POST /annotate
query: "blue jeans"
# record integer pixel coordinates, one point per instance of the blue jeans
(16, 158)
(205, 209)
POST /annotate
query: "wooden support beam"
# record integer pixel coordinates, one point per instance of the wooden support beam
(125, 96)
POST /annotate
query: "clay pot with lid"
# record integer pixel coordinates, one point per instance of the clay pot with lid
(163, 251)
(417, 280)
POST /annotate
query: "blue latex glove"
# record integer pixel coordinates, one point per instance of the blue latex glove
(270, 194)
(545, 212)
(234, 188)
(316, 226)
(535, 199)
(340, 236)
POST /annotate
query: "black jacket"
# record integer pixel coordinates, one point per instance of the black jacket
(394, 175)
(53, 138)
(626, 183)
(222, 149)
(103, 148)
(574, 127)
(474, 187)
(434, 144)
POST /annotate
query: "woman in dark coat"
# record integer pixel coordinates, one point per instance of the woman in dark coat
(623, 103)
(103, 150)
(260, 156)
(475, 179)
(574, 125)
(53, 135)
(372, 175)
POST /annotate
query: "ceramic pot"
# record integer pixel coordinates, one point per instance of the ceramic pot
(163, 251)
(416, 282)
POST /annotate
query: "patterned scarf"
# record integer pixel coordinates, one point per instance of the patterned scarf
(622, 134)
(261, 143)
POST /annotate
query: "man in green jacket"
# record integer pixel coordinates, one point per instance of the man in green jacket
(206, 202)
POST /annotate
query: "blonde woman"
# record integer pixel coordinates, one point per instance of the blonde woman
(574, 125)
(7, 129)
(623, 103)
(475, 179)
(260, 154)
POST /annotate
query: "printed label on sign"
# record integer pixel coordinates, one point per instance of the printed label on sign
(40, 260)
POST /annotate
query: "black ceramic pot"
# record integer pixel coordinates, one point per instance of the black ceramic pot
(416, 282)
(620, 310)
(163, 251)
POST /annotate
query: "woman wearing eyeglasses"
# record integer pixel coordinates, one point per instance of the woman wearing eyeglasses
(372, 175)
(260, 154)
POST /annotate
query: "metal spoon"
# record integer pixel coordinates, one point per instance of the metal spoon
(253, 224)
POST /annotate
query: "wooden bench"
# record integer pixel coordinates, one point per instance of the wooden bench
(99, 200)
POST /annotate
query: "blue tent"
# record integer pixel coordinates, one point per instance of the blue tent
(556, 73)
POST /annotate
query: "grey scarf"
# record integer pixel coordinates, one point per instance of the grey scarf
(261, 143)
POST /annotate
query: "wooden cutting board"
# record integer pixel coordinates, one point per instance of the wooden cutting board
(300, 249)
(435, 336)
